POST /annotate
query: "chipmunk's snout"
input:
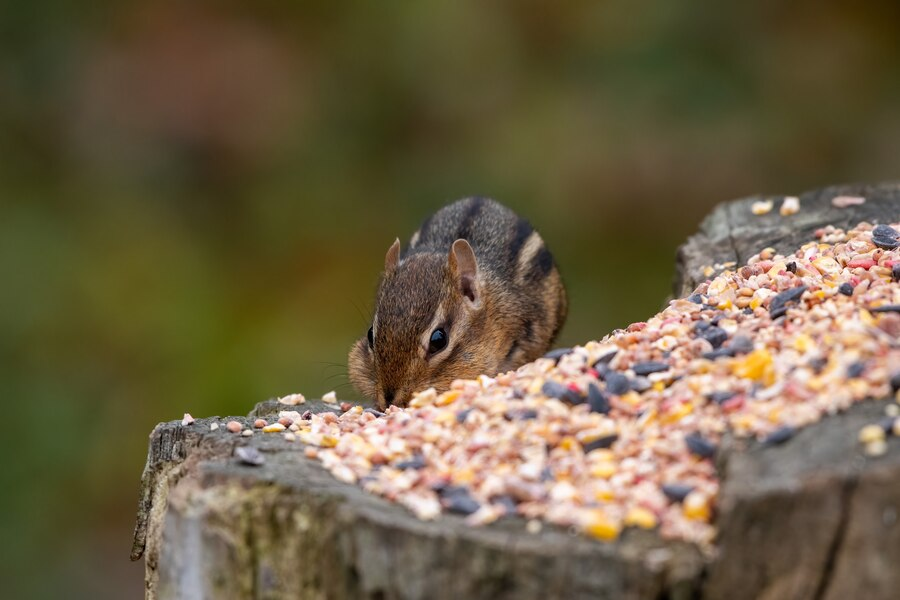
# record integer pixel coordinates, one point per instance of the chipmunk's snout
(388, 397)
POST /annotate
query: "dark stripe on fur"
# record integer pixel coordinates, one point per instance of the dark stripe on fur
(523, 230)
(465, 227)
(541, 264)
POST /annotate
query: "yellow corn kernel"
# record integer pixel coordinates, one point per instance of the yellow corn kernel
(678, 413)
(803, 343)
(601, 527)
(568, 443)
(866, 317)
(871, 433)
(605, 495)
(273, 428)
(696, 507)
(755, 365)
(445, 417)
(463, 476)
(659, 386)
(603, 470)
(755, 302)
(447, 398)
(328, 441)
(640, 517)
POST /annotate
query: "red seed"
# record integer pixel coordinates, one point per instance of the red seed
(234, 427)
(285, 421)
(260, 423)
(865, 263)
(345, 406)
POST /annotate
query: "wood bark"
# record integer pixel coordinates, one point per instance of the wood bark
(812, 518)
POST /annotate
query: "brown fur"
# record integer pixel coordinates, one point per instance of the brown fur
(517, 306)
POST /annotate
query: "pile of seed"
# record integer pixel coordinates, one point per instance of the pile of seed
(623, 432)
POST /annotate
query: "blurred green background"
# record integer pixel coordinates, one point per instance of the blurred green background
(195, 199)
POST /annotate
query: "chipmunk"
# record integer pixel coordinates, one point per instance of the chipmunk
(475, 292)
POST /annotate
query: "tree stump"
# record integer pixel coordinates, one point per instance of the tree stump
(812, 518)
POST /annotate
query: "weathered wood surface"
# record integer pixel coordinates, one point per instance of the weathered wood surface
(813, 518)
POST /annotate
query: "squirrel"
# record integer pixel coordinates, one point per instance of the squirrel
(475, 292)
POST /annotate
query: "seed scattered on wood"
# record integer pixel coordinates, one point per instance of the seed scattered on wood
(845, 201)
(260, 423)
(790, 206)
(699, 445)
(519, 414)
(676, 492)
(646, 368)
(602, 442)
(457, 499)
(597, 400)
(856, 369)
(715, 336)
(779, 304)
(416, 462)
(274, 428)
(780, 435)
(234, 427)
(285, 421)
(885, 243)
(345, 406)
(330, 398)
(617, 384)
(762, 207)
(721, 396)
(187, 420)
(247, 432)
(885, 231)
(249, 455)
(886, 308)
(846, 289)
(292, 399)
(213, 426)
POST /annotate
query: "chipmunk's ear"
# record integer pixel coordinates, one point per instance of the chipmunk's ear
(392, 258)
(465, 269)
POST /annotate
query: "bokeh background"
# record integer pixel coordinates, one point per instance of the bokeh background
(195, 198)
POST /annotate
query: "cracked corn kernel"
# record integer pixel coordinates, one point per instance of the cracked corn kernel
(603, 470)
(601, 527)
(754, 366)
(871, 433)
(790, 206)
(274, 428)
(447, 398)
(640, 517)
(762, 207)
(696, 507)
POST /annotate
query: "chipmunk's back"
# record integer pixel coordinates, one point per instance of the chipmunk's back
(504, 242)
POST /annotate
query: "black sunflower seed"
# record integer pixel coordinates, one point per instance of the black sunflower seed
(715, 336)
(603, 442)
(886, 308)
(457, 499)
(741, 344)
(416, 462)
(700, 446)
(846, 289)
(597, 400)
(778, 305)
(720, 397)
(791, 267)
(643, 369)
(617, 384)
(895, 382)
(885, 231)
(885, 243)
(856, 369)
(676, 492)
(780, 435)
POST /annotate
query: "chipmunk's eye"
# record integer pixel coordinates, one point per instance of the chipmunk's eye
(438, 341)
(371, 338)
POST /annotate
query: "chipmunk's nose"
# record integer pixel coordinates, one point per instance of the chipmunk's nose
(388, 397)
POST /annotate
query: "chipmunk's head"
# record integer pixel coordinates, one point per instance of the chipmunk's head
(425, 333)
